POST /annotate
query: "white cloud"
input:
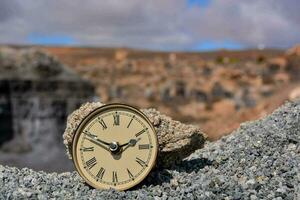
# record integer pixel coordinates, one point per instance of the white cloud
(156, 24)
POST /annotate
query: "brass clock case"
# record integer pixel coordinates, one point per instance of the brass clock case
(115, 146)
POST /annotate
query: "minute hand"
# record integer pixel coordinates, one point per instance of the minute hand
(95, 138)
(98, 143)
(101, 141)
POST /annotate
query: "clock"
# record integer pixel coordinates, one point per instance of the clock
(115, 146)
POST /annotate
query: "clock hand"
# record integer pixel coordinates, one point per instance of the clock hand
(95, 138)
(131, 143)
(98, 143)
(106, 143)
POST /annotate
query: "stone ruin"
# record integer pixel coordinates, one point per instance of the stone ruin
(36, 95)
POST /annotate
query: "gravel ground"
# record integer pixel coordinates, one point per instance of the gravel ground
(261, 160)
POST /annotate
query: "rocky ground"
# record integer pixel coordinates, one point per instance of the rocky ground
(260, 160)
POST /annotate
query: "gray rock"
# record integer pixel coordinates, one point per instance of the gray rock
(261, 160)
(176, 140)
(32, 64)
(36, 96)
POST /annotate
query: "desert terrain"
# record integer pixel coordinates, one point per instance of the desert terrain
(215, 90)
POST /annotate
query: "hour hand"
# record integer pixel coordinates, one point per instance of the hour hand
(131, 143)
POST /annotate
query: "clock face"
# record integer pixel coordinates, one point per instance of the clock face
(115, 147)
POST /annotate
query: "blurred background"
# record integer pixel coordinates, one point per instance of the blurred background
(210, 63)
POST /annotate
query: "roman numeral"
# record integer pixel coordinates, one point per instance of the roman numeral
(141, 162)
(130, 121)
(102, 124)
(116, 119)
(144, 146)
(100, 173)
(141, 132)
(130, 174)
(91, 163)
(87, 149)
(114, 177)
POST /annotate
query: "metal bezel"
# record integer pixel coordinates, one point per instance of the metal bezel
(88, 118)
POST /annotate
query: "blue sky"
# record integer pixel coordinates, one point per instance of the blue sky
(179, 25)
(38, 39)
(210, 45)
(200, 3)
(205, 45)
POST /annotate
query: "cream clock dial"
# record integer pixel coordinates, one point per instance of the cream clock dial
(115, 146)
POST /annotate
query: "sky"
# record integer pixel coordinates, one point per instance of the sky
(164, 25)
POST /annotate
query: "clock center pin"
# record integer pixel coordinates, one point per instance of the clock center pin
(114, 147)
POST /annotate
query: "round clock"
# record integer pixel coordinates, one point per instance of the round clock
(115, 146)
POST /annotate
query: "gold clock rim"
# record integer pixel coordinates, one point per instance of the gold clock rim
(90, 116)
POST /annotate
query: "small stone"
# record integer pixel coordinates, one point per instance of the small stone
(281, 190)
(295, 94)
(174, 182)
(250, 182)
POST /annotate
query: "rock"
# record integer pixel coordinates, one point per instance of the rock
(36, 96)
(244, 98)
(180, 89)
(266, 90)
(295, 94)
(115, 92)
(260, 160)
(294, 51)
(219, 92)
(42, 64)
(172, 57)
(165, 92)
(31, 63)
(293, 58)
(149, 93)
(121, 54)
(73, 122)
(276, 64)
(281, 78)
(176, 140)
(200, 95)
